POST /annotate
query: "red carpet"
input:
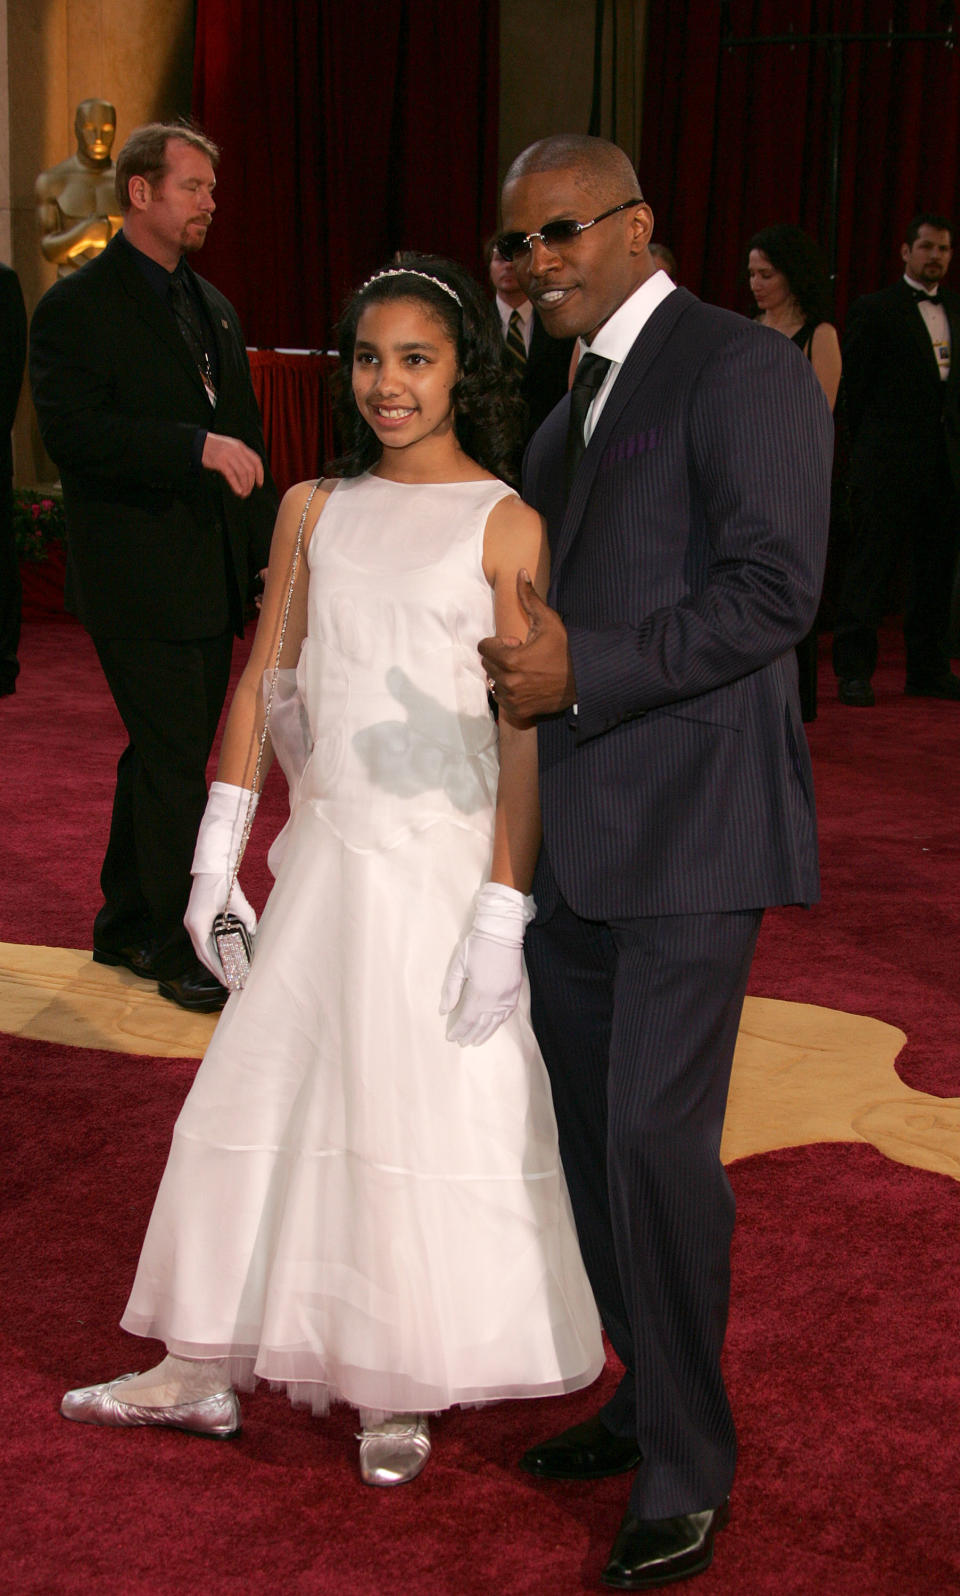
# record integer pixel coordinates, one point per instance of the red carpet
(843, 1338)
(883, 941)
(841, 1360)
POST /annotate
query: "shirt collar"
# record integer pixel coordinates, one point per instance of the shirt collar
(618, 334)
(912, 283)
(524, 310)
(157, 276)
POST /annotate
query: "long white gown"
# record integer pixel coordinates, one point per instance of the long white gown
(353, 1206)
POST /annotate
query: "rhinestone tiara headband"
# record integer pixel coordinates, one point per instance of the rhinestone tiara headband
(407, 271)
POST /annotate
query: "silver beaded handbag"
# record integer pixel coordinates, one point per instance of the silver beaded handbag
(234, 944)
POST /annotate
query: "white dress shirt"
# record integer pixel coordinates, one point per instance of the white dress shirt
(938, 326)
(618, 335)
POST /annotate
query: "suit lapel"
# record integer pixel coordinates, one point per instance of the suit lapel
(221, 330)
(952, 307)
(644, 350)
(917, 331)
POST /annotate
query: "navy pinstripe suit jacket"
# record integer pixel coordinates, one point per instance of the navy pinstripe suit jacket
(686, 564)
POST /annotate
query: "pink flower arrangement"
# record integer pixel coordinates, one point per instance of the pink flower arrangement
(37, 523)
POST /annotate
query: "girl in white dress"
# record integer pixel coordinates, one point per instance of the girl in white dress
(363, 1199)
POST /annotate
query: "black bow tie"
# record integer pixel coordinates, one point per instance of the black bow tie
(920, 294)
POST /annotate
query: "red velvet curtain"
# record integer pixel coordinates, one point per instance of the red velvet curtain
(349, 129)
(738, 137)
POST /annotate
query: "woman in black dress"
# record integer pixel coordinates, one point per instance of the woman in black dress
(789, 282)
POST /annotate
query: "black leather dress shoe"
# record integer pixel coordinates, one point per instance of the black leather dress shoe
(196, 990)
(588, 1451)
(137, 957)
(656, 1551)
(855, 691)
(939, 687)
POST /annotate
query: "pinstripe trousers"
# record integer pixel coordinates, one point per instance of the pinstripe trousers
(637, 1021)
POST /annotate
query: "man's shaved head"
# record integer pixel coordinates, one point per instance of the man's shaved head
(578, 279)
(598, 167)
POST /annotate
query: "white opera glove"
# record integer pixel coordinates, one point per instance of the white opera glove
(218, 847)
(486, 970)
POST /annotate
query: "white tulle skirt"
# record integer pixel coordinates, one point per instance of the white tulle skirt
(354, 1207)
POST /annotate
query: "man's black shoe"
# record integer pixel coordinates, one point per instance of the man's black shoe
(196, 990)
(137, 957)
(940, 687)
(588, 1451)
(655, 1551)
(855, 691)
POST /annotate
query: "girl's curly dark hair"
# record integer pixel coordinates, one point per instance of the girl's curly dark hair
(488, 412)
(793, 252)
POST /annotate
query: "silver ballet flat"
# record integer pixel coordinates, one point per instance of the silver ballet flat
(217, 1416)
(395, 1451)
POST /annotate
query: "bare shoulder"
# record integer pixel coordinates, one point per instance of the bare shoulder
(514, 538)
(825, 336)
(304, 498)
(510, 517)
(296, 497)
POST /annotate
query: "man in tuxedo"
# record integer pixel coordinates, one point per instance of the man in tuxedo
(541, 363)
(902, 376)
(685, 486)
(143, 393)
(13, 354)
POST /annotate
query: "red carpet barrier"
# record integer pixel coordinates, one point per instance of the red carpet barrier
(293, 392)
(43, 587)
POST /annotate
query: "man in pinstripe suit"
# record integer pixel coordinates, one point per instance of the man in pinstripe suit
(687, 549)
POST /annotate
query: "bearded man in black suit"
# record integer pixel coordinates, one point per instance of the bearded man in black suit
(687, 547)
(143, 394)
(901, 371)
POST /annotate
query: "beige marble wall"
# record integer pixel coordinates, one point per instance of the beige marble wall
(546, 72)
(138, 54)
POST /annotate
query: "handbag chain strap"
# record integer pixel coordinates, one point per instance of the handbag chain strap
(255, 787)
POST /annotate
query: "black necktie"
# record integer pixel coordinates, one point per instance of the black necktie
(516, 348)
(189, 321)
(588, 379)
(920, 294)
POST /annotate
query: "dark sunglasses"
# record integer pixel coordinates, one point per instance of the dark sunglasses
(553, 235)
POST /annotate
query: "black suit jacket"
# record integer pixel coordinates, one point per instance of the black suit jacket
(157, 546)
(546, 375)
(687, 562)
(13, 354)
(902, 414)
